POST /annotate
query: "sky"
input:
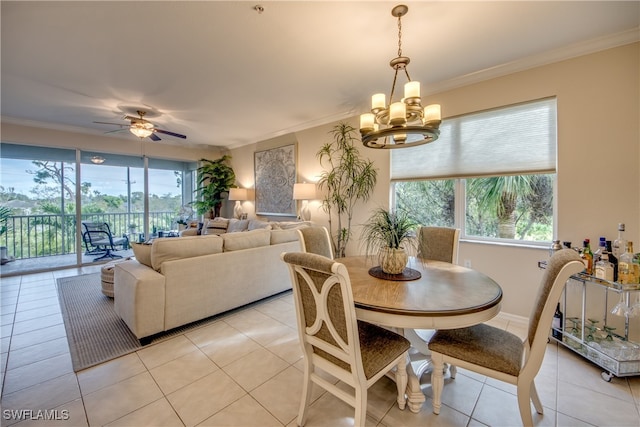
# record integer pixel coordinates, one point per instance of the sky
(110, 180)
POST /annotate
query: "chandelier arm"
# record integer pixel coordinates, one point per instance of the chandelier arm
(406, 72)
(393, 86)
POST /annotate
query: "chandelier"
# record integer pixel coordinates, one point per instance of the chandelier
(403, 123)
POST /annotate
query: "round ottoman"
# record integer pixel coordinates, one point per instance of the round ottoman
(106, 276)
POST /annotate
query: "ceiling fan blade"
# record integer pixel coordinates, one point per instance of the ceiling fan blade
(154, 137)
(117, 130)
(109, 123)
(177, 135)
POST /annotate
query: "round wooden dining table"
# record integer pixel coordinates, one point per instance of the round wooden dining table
(445, 296)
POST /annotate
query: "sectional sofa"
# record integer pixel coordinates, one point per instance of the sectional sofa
(176, 281)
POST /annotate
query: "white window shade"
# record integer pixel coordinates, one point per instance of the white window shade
(514, 140)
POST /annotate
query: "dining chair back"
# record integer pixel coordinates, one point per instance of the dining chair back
(333, 340)
(502, 355)
(316, 240)
(438, 243)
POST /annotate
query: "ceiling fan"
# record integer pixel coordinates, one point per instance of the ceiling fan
(142, 128)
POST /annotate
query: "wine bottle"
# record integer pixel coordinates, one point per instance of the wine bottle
(556, 330)
(613, 260)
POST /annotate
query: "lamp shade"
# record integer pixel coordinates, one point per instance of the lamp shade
(238, 194)
(304, 191)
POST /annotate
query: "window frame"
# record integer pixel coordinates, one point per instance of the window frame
(460, 211)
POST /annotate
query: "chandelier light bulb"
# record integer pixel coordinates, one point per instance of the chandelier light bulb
(378, 102)
(412, 89)
(398, 113)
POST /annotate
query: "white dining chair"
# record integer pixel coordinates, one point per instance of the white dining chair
(438, 243)
(499, 354)
(356, 353)
(316, 240)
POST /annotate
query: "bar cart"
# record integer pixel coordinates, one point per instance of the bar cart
(601, 323)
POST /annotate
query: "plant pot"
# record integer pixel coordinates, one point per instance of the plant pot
(4, 256)
(393, 261)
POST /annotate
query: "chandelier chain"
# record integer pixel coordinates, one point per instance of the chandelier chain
(399, 35)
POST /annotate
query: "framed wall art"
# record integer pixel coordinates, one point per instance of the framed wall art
(275, 174)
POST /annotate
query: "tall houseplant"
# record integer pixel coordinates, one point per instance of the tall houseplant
(390, 234)
(348, 179)
(215, 178)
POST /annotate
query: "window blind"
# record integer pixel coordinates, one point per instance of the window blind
(513, 140)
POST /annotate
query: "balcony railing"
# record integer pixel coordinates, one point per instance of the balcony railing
(32, 236)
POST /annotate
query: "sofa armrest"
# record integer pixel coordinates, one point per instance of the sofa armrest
(139, 298)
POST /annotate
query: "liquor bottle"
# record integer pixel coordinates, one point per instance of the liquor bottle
(600, 249)
(587, 257)
(627, 271)
(620, 244)
(604, 268)
(613, 260)
(556, 330)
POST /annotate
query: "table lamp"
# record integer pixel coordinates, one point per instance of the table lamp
(305, 192)
(238, 194)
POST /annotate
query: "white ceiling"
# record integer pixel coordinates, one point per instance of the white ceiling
(226, 75)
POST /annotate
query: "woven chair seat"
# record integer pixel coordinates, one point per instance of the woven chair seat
(481, 345)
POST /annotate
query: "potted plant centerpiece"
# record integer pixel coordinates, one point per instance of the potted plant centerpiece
(390, 234)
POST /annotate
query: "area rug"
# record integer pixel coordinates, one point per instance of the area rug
(95, 332)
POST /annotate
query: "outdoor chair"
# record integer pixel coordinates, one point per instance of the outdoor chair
(335, 342)
(501, 355)
(316, 240)
(98, 239)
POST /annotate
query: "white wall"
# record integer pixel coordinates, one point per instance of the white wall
(598, 158)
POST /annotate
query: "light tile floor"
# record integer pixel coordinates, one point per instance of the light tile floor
(245, 370)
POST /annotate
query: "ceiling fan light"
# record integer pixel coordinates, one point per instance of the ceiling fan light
(141, 130)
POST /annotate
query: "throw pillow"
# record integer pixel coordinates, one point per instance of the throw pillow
(236, 225)
(142, 253)
(216, 226)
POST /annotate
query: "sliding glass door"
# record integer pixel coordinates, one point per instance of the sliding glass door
(40, 188)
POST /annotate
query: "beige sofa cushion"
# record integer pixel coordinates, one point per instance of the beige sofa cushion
(246, 240)
(282, 236)
(236, 225)
(142, 253)
(256, 224)
(287, 225)
(169, 249)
